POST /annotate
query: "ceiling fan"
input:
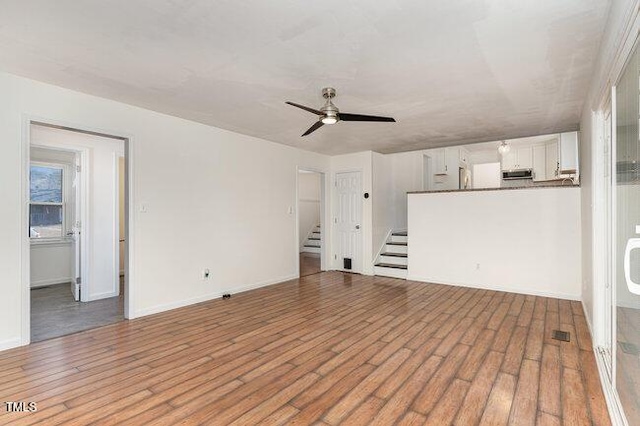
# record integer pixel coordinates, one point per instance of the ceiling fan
(329, 113)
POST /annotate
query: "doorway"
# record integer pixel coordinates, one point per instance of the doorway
(348, 219)
(617, 243)
(77, 199)
(310, 226)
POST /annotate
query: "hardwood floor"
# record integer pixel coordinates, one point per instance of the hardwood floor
(329, 348)
(309, 264)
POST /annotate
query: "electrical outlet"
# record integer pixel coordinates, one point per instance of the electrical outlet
(206, 274)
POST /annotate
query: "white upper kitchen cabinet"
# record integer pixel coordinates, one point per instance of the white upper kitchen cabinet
(509, 160)
(525, 158)
(539, 163)
(568, 152)
(440, 162)
(520, 158)
(545, 161)
(552, 160)
(464, 156)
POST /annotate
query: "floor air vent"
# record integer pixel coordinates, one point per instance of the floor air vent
(563, 336)
(629, 348)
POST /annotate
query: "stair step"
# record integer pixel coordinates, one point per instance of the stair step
(311, 249)
(394, 254)
(396, 244)
(391, 265)
(400, 233)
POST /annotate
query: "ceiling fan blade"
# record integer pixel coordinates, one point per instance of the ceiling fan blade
(313, 128)
(359, 117)
(311, 110)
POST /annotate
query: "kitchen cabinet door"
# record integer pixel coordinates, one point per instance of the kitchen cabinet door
(539, 163)
(509, 160)
(525, 158)
(464, 156)
(552, 160)
(440, 162)
(568, 152)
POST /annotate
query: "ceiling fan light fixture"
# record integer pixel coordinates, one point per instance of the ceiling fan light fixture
(330, 114)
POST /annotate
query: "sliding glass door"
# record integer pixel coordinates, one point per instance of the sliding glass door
(626, 239)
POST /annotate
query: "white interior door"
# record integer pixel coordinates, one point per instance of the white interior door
(348, 221)
(75, 203)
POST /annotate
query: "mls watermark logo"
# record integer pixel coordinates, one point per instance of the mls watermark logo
(20, 406)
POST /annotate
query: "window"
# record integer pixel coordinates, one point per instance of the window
(46, 210)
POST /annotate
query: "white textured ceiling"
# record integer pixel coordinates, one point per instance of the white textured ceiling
(450, 72)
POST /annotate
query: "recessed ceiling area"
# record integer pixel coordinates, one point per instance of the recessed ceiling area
(450, 72)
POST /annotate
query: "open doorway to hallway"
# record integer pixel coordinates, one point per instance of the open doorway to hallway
(310, 232)
(76, 230)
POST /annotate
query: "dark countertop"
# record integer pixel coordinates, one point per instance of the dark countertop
(496, 189)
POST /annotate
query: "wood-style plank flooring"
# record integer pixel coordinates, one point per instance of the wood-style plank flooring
(330, 348)
(309, 264)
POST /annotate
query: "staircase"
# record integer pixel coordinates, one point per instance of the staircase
(312, 243)
(392, 262)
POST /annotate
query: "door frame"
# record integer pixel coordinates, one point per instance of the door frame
(25, 252)
(324, 217)
(627, 39)
(337, 265)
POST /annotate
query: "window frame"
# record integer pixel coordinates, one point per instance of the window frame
(65, 199)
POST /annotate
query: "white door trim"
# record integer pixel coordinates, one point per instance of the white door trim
(25, 256)
(324, 240)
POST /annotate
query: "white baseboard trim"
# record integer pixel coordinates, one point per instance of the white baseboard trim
(610, 395)
(10, 344)
(182, 303)
(51, 281)
(497, 288)
(103, 296)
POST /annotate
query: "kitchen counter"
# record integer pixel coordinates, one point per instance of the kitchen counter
(508, 188)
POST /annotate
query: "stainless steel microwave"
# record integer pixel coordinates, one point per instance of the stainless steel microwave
(517, 174)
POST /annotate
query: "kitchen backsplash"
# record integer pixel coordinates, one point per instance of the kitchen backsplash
(520, 183)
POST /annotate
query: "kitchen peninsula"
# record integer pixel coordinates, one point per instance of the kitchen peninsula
(524, 240)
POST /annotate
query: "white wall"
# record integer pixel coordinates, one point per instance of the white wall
(382, 201)
(489, 155)
(609, 63)
(200, 185)
(309, 192)
(360, 161)
(51, 263)
(101, 231)
(486, 175)
(525, 241)
(407, 175)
